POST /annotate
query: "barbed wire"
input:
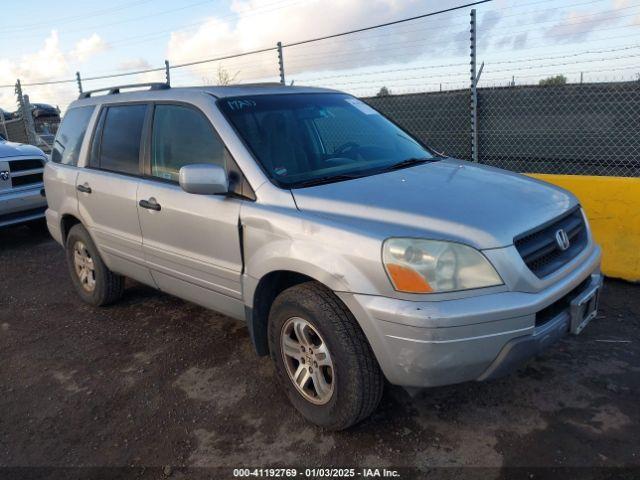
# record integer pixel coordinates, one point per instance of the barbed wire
(249, 69)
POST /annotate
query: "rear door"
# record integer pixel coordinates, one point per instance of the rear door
(107, 189)
(60, 174)
(191, 242)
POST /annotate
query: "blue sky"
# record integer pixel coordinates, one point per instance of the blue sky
(526, 39)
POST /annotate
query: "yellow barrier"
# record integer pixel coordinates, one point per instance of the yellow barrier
(612, 205)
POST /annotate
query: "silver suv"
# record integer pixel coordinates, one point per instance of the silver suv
(353, 252)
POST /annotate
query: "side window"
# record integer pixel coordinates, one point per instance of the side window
(181, 136)
(66, 147)
(120, 144)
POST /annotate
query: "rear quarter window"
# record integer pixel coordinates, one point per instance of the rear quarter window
(66, 147)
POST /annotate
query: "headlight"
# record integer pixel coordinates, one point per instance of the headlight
(432, 266)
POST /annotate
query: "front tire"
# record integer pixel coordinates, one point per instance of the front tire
(322, 358)
(93, 281)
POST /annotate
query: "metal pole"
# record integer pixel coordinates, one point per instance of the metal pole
(281, 63)
(474, 91)
(25, 113)
(31, 128)
(79, 80)
(4, 126)
(166, 72)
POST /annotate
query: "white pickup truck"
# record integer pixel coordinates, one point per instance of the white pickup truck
(22, 197)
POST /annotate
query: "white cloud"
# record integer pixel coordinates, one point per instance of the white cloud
(134, 64)
(88, 47)
(578, 25)
(47, 63)
(312, 18)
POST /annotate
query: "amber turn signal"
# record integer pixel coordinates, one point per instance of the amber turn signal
(407, 280)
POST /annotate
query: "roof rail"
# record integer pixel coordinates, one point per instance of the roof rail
(116, 90)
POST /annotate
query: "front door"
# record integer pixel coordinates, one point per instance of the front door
(190, 242)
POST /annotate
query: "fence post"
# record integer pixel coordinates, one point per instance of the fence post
(4, 126)
(25, 112)
(166, 72)
(79, 81)
(474, 91)
(281, 63)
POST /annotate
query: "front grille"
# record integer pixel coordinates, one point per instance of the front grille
(26, 172)
(25, 180)
(540, 250)
(22, 165)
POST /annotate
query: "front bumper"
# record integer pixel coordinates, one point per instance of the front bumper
(22, 205)
(423, 344)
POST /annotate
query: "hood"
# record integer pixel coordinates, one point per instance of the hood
(11, 149)
(447, 200)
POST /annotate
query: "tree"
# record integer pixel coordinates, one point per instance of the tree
(557, 80)
(383, 92)
(222, 78)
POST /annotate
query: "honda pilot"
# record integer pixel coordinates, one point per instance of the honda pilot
(353, 252)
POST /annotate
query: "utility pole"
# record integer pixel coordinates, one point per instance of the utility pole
(281, 63)
(167, 75)
(474, 92)
(79, 81)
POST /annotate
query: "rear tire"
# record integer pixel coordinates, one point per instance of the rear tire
(94, 282)
(310, 318)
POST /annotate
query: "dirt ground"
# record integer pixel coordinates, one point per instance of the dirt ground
(162, 386)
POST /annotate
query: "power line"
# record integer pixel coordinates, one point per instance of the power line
(128, 20)
(511, 31)
(258, 71)
(194, 25)
(420, 30)
(489, 63)
(57, 21)
(380, 25)
(488, 71)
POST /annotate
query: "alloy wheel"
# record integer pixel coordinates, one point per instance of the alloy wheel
(307, 360)
(84, 267)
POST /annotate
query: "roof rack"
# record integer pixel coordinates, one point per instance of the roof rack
(116, 90)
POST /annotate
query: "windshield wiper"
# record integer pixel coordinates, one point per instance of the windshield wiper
(324, 180)
(343, 176)
(408, 162)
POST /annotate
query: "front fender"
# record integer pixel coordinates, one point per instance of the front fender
(341, 259)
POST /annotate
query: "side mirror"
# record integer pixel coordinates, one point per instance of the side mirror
(204, 179)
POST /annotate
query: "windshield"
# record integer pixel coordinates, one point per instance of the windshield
(306, 139)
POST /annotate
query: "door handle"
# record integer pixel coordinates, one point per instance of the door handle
(150, 204)
(84, 188)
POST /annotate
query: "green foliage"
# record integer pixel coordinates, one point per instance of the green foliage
(557, 80)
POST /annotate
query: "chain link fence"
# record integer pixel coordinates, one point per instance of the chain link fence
(574, 129)
(439, 119)
(588, 129)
